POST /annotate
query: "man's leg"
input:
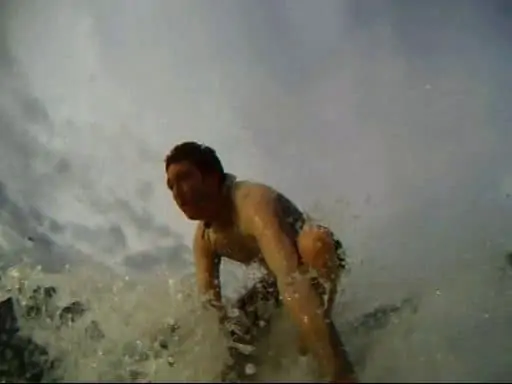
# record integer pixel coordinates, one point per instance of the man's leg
(322, 254)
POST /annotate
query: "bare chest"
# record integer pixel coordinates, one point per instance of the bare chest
(235, 245)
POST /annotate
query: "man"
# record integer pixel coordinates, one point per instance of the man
(251, 222)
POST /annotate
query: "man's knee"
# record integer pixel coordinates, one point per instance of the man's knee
(317, 248)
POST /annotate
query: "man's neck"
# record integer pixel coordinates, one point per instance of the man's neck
(222, 210)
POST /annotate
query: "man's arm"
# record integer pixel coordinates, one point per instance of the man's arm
(207, 270)
(298, 295)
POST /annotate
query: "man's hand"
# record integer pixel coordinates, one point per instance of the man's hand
(210, 303)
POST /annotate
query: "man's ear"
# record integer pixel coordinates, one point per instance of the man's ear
(217, 179)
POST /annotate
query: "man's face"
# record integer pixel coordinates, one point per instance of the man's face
(189, 189)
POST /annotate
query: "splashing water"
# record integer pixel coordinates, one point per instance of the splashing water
(394, 109)
(170, 336)
(131, 324)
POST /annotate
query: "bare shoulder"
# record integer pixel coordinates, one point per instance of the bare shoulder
(254, 202)
(250, 195)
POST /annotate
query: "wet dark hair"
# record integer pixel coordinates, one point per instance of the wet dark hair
(201, 156)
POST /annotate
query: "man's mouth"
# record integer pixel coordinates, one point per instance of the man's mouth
(186, 205)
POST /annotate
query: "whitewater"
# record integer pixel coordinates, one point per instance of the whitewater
(388, 122)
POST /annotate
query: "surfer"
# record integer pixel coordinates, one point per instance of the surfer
(251, 222)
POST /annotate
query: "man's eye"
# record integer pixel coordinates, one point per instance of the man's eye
(170, 185)
(184, 176)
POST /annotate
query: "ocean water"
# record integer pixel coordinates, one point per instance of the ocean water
(388, 122)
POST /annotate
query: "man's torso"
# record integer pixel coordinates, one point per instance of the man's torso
(234, 241)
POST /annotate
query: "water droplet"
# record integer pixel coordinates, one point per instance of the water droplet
(250, 369)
